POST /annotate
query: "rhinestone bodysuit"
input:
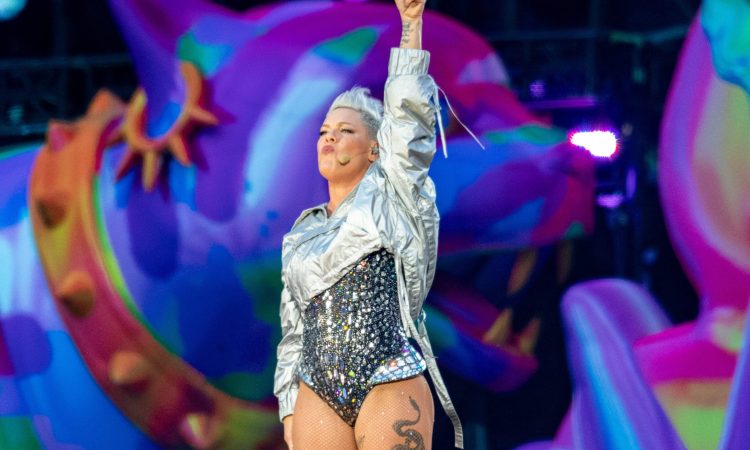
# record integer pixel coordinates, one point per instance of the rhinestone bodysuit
(353, 338)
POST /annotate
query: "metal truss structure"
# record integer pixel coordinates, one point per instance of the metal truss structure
(33, 91)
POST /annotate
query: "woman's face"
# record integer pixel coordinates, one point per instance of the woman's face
(344, 147)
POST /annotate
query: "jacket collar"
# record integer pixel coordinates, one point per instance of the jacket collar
(321, 208)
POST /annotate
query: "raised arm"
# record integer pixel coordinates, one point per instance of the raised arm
(411, 20)
(407, 134)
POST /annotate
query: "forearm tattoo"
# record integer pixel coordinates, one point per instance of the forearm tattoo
(413, 439)
(405, 33)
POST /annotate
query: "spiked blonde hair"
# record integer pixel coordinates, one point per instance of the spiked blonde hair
(359, 99)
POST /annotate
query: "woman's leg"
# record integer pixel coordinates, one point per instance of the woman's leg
(397, 416)
(316, 426)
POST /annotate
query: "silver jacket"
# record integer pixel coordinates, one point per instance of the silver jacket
(392, 207)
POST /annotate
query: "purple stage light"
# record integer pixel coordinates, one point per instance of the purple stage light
(601, 144)
(537, 89)
(610, 201)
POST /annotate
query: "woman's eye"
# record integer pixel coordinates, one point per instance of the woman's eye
(321, 132)
(345, 130)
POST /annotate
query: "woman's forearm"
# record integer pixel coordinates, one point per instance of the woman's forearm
(411, 33)
(411, 22)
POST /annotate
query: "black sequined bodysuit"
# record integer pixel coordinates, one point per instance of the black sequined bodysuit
(353, 338)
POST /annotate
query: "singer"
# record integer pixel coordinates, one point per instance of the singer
(357, 269)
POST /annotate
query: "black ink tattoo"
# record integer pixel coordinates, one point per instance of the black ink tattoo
(414, 440)
(405, 33)
(361, 441)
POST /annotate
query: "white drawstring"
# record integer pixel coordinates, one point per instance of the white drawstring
(440, 121)
(438, 89)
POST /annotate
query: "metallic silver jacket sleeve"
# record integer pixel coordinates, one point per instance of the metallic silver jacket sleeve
(285, 385)
(407, 135)
(407, 138)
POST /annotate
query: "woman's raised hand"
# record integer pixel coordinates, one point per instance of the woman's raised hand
(411, 9)
(411, 20)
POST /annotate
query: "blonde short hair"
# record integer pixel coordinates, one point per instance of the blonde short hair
(359, 99)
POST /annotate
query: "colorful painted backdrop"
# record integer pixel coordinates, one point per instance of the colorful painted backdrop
(141, 244)
(641, 382)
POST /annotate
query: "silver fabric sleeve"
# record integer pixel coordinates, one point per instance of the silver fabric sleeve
(407, 134)
(288, 352)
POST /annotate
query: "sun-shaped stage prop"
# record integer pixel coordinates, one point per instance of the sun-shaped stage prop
(135, 370)
(151, 151)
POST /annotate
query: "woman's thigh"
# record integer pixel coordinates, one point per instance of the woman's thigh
(316, 426)
(397, 416)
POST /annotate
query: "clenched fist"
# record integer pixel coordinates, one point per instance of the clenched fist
(410, 9)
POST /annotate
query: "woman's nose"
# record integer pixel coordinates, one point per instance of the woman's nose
(330, 137)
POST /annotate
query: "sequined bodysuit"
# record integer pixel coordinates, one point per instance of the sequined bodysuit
(353, 338)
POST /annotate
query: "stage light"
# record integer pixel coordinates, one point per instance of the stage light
(538, 89)
(601, 144)
(10, 8)
(610, 201)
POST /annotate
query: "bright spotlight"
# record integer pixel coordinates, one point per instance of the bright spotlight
(601, 144)
(10, 8)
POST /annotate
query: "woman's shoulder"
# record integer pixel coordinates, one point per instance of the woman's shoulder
(405, 197)
(306, 219)
(309, 213)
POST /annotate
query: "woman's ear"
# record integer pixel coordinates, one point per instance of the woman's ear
(374, 152)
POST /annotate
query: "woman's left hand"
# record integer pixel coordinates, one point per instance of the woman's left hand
(411, 9)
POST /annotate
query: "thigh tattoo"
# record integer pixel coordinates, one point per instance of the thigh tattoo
(413, 439)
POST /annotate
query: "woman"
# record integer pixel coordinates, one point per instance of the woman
(357, 269)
